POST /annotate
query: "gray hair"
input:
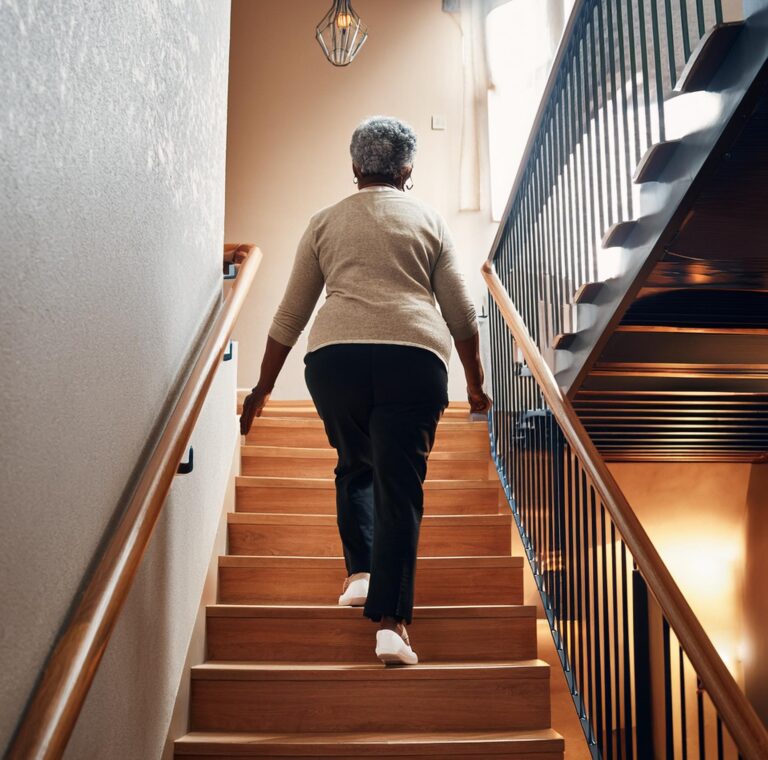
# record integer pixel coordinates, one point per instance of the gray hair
(382, 145)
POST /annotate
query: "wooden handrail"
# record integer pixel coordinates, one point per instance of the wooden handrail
(745, 726)
(52, 711)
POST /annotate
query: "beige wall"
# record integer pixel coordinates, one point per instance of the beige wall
(290, 118)
(755, 593)
(696, 516)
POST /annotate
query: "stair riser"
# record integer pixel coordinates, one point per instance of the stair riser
(310, 467)
(454, 415)
(434, 586)
(353, 640)
(315, 438)
(445, 704)
(323, 541)
(322, 501)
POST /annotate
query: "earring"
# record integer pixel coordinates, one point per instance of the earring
(409, 185)
(354, 179)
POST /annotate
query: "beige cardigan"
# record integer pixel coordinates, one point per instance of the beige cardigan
(383, 257)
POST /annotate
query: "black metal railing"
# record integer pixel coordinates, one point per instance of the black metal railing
(603, 107)
(636, 690)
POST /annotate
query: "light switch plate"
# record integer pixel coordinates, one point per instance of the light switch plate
(439, 122)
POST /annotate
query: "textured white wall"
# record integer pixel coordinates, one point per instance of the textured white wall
(112, 142)
(129, 708)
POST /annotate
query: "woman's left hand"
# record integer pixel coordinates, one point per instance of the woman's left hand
(479, 401)
(253, 405)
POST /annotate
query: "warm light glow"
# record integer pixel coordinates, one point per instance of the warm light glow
(744, 651)
(344, 20)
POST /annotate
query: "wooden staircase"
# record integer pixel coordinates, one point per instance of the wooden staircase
(289, 674)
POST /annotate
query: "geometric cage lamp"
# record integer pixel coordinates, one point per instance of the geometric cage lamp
(341, 33)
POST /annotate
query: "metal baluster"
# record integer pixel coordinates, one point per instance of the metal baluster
(582, 75)
(615, 153)
(602, 627)
(610, 175)
(686, 31)
(720, 753)
(642, 658)
(570, 160)
(585, 532)
(670, 46)
(657, 68)
(572, 608)
(597, 631)
(602, 226)
(560, 196)
(549, 235)
(583, 268)
(668, 725)
(700, 719)
(718, 12)
(624, 108)
(683, 717)
(700, 17)
(632, 46)
(628, 721)
(646, 75)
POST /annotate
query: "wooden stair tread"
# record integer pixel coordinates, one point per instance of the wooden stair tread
(251, 671)
(708, 56)
(279, 518)
(588, 292)
(245, 481)
(480, 743)
(229, 560)
(617, 234)
(335, 612)
(652, 164)
(563, 341)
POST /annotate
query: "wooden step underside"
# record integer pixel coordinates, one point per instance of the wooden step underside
(287, 462)
(318, 535)
(299, 698)
(310, 580)
(310, 433)
(318, 496)
(539, 744)
(492, 633)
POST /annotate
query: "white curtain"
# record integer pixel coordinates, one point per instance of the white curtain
(474, 170)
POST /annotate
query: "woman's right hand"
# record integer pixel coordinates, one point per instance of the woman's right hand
(479, 401)
(253, 405)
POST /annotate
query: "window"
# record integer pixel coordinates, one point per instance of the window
(522, 38)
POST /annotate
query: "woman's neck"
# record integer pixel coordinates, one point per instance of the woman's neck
(373, 181)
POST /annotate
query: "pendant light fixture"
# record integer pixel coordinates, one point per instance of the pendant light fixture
(341, 33)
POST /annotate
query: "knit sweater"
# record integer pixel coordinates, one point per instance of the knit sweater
(383, 257)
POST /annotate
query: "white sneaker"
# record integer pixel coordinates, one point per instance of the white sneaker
(355, 590)
(393, 649)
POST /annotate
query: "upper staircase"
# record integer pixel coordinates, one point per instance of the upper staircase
(633, 243)
(291, 674)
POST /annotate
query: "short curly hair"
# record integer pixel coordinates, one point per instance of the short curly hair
(382, 145)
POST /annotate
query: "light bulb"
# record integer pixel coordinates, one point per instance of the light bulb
(344, 20)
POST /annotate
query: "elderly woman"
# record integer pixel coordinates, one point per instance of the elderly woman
(377, 365)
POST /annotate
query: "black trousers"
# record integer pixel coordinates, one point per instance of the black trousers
(380, 404)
